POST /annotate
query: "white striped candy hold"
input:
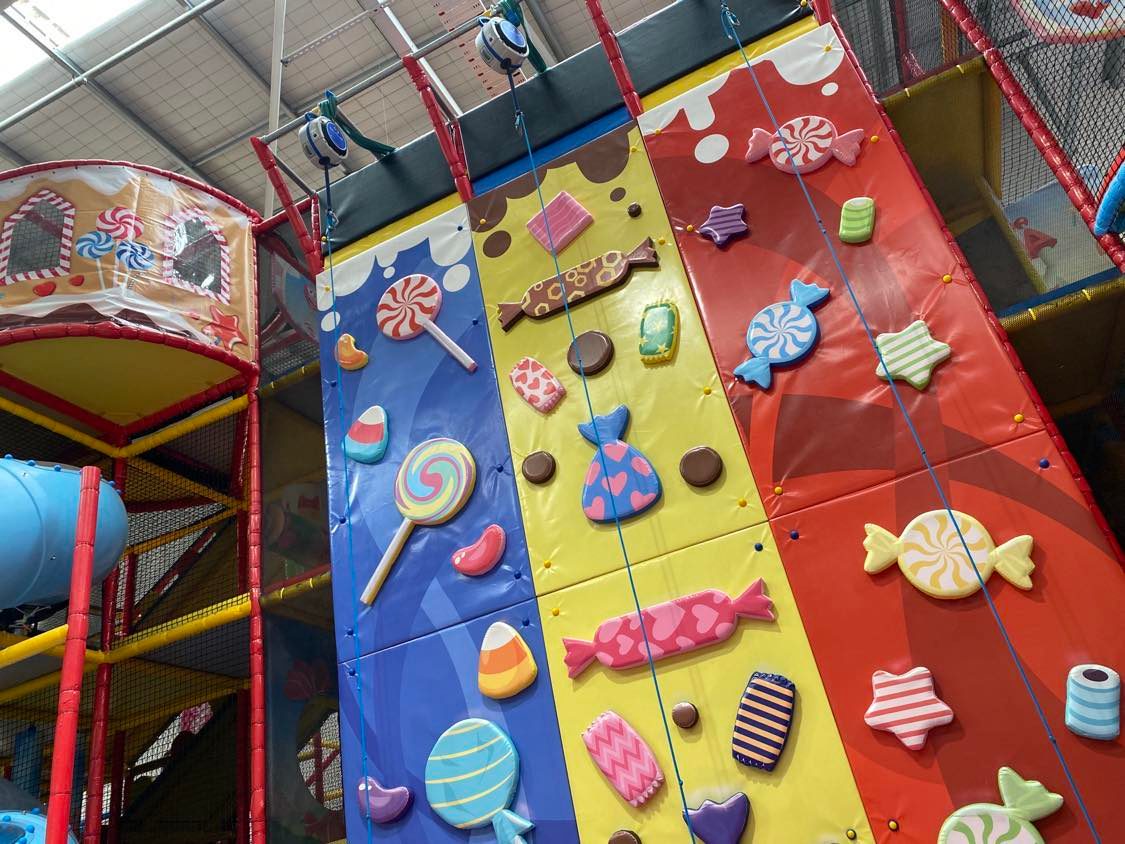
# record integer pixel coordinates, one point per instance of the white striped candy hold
(906, 706)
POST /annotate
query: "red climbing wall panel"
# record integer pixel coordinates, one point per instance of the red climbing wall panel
(831, 450)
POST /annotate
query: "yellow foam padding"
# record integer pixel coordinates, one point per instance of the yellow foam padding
(810, 797)
(728, 62)
(119, 380)
(673, 407)
(422, 215)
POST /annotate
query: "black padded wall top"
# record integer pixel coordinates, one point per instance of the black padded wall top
(660, 49)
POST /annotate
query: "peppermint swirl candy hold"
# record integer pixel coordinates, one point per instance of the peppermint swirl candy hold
(93, 245)
(135, 256)
(120, 223)
(434, 481)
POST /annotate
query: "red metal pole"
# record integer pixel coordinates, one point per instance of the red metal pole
(269, 164)
(1042, 136)
(242, 780)
(74, 658)
(823, 10)
(257, 656)
(448, 132)
(95, 787)
(616, 60)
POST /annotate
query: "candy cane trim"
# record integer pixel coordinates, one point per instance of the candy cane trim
(66, 241)
(170, 274)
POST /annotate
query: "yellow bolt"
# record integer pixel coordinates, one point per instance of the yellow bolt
(555, 611)
(742, 502)
(656, 131)
(828, 48)
(482, 221)
(706, 391)
(1017, 418)
(804, 3)
(546, 564)
(851, 835)
(946, 278)
(777, 490)
(661, 241)
(632, 149)
(689, 227)
(893, 825)
(874, 139)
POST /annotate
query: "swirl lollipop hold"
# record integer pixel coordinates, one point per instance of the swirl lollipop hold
(120, 223)
(409, 307)
(433, 484)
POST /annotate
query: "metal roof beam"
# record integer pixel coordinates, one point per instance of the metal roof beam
(114, 60)
(541, 24)
(12, 155)
(76, 72)
(228, 48)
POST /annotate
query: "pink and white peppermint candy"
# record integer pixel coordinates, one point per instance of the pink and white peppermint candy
(812, 141)
(906, 705)
(120, 223)
(409, 307)
(536, 384)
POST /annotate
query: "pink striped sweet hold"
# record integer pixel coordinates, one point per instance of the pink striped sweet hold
(567, 219)
(906, 706)
(624, 757)
(804, 144)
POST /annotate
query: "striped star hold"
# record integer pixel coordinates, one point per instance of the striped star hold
(906, 705)
(910, 355)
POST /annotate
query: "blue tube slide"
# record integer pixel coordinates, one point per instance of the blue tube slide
(39, 503)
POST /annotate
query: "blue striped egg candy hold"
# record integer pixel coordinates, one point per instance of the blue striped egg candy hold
(1093, 702)
(761, 725)
(471, 778)
(781, 333)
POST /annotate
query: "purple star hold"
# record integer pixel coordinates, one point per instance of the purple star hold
(720, 823)
(723, 223)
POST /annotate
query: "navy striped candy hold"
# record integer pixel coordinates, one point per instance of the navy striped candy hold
(762, 723)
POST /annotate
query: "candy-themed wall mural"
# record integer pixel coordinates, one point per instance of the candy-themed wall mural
(632, 536)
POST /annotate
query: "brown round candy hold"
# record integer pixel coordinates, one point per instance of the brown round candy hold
(538, 467)
(634, 209)
(624, 836)
(596, 349)
(701, 466)
(685, 715)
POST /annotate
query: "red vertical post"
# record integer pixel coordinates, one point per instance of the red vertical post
(823, 10)
(254, 585)
(616, 60)
(448, 132)
(74, 658)
(95, 785)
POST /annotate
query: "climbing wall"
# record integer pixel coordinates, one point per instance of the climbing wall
(494, 669)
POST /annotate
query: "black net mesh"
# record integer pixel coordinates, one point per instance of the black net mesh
(174, 726)
(1070, 60)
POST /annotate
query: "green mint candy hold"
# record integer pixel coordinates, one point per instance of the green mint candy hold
(857, 219)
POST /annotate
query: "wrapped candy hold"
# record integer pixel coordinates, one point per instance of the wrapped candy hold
(621, 481)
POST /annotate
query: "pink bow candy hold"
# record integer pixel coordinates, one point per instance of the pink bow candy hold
(673, 627)
(805, 144)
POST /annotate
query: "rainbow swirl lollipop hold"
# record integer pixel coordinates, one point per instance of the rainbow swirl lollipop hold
(433, 484)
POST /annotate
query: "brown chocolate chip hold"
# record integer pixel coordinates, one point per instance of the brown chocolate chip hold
(701, 466)
(624, 836)
(596, 349)
(538, 467)
(634, 209)
(617, 194)
(685, 715)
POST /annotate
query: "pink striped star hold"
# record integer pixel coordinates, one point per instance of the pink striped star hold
(905, 705)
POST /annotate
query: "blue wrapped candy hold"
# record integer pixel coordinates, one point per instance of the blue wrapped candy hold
(781, 333)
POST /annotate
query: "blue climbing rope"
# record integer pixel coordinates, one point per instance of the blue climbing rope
(521, 125)
(730, 22)
(329, 225)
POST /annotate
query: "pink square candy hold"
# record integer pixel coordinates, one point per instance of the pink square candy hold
(567, 217)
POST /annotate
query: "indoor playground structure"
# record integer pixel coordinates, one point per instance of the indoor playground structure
(663, 450)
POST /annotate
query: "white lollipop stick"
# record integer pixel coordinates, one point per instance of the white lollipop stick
(388, 560)
(459, 354)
